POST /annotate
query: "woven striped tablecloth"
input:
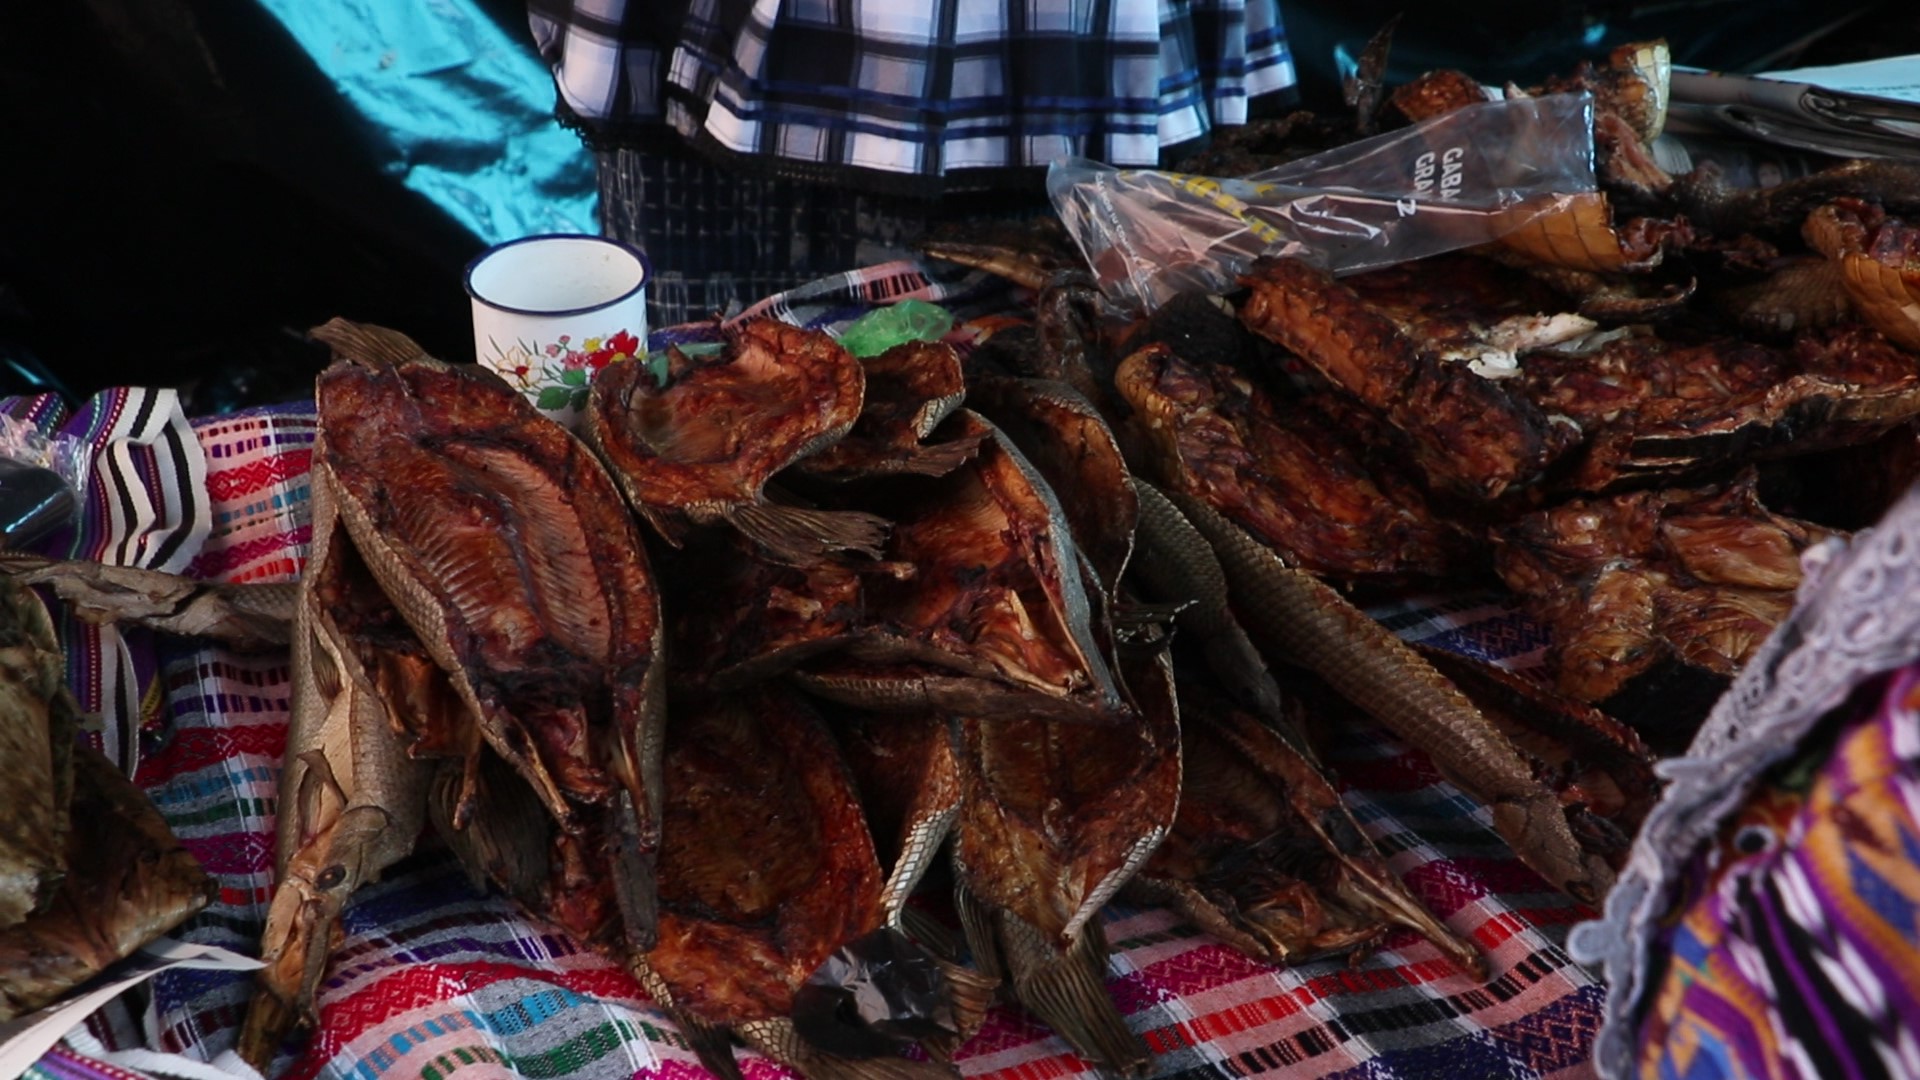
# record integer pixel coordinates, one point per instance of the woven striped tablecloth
(436, 979)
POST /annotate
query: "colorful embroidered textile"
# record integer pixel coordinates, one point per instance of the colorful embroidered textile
(435, 979)
(1796, 952)
(1765, 925)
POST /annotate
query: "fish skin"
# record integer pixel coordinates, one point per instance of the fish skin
(553, 643)
(1301, 619)
(1470, 435)
(38, 718)
(352, 801)
(1068, 442)
(909, 784)
(1177, 563)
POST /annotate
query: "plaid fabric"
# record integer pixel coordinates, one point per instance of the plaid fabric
(435, 978)
(914, 98)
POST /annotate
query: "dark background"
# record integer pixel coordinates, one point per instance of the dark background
(182, 194)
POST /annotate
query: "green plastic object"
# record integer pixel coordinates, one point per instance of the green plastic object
(883, 328)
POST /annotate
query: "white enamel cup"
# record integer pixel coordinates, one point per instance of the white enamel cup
(550, 311)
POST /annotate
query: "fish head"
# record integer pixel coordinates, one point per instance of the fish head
(1537, 829)
(875, 995)
(336, 854)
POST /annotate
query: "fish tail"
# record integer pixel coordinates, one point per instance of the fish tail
(268, 1022)
(1069, 991)
(976, 922)
(371, 346)
(711, 1043)
(799, 535)
(971, 995)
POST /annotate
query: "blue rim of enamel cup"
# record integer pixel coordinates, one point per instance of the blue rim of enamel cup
(646, 273)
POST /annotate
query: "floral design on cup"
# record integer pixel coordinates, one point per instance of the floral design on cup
(557, 375)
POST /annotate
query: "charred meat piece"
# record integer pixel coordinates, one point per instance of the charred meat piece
(507, 549)
(1627, 582)
(1054, 819)
(1472, 435)
(994, 610)
(1280, 471)
(910, 389)
(1265, 856)
(701, 449)
(769, 882)
(1027, 252)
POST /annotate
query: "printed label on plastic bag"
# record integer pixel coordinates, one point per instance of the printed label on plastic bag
(1455, 181)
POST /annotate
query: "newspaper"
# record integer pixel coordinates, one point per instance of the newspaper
(1866, 109)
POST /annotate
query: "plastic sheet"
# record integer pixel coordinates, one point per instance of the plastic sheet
(1451, 182)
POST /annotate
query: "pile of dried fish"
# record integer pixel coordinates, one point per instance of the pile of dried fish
(712, 688)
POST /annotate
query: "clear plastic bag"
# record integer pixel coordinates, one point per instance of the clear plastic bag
(1455, 181)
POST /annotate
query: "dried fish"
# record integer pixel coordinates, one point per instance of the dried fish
(505, 546)
(353, 802)
(1472, 435)
(1282, 472)
(128, 881)
(994, 613)
(1069, 444)
(909, 785)
(1054, 819)
(768, 885)
(1627, 582)
(246, 616)
(1265, 856)
(910, 389)
(701, 449)
(1299, 619)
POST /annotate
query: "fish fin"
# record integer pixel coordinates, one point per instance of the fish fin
(971, 995)
(369, 346)
(319, 802)
(781, 1041)
(1069, 991)
(1380, 894)
(976, 923)
(941, 458)
(801, 536)
(711, 1043)
(1200, 910)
